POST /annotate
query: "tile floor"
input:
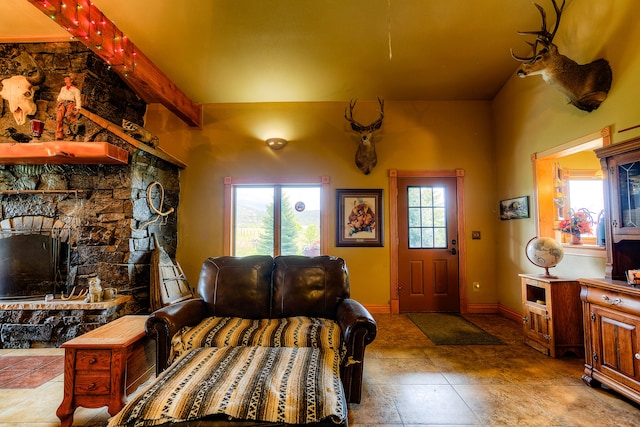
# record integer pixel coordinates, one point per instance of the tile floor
(28, 371)
(409, 381)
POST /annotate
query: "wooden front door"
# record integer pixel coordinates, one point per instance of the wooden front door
(428, 253)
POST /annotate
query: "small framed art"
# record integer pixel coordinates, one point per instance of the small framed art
(515, 208)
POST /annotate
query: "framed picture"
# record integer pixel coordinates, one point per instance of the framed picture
(515, 208)
(359, 217)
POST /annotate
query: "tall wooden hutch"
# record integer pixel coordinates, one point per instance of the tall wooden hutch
(611, 307)
(621, 166)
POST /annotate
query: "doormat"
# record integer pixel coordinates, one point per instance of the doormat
(451, 329)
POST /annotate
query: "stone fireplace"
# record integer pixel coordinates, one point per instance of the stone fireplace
(100, 215)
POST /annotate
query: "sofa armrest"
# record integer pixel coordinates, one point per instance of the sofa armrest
(359, 329)
(164, 323)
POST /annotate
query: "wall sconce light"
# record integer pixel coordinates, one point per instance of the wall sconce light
(276, 143)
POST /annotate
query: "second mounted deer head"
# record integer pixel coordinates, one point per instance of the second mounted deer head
(366, 157)
(585, 85)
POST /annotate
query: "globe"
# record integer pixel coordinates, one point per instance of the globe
(544, 252)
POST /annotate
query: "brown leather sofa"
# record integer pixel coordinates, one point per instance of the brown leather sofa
(263, 287)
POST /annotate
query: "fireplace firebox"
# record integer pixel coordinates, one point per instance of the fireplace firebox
(32, 265)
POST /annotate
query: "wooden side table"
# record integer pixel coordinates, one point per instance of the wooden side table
(104, 365)
(552, 320)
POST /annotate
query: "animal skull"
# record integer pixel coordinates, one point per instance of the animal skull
(19, 91)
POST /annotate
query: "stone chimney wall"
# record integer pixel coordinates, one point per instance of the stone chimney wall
(105, 206)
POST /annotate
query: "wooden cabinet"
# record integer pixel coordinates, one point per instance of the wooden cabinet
(612, 335)
(552, 320)
(105, 365)
(621, 166)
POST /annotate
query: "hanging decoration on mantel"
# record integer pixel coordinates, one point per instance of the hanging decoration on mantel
(139, 133)
(86, 23)
(158, 211)
(586, 86)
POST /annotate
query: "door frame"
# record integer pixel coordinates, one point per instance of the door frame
(394, 174)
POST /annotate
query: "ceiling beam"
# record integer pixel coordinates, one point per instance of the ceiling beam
(87, 24)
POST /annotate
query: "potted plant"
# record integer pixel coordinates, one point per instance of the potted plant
(579, 222)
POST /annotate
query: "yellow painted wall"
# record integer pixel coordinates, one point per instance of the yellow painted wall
(493, 143)
(414, 136)
(531, 116)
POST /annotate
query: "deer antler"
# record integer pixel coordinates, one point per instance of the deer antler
(358, 127)
(544, 37)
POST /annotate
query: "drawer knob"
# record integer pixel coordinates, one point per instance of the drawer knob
(92, 360)
(91, 386)
(614, 301)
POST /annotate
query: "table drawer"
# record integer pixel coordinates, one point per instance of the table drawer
(93, 360)
(93, 384)
(609, 298)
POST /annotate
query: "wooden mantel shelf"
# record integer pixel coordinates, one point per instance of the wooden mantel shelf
(62, 152)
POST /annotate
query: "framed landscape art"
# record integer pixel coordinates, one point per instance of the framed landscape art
(515, 208)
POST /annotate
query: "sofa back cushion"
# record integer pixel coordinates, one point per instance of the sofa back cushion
(237, 286)
(308, 286)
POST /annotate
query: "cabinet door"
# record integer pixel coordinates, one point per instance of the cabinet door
(625, 196)
(616, 344)
(536, 327)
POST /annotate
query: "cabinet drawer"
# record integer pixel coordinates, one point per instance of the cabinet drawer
(93, 360)
(93, 384)
(608, 298)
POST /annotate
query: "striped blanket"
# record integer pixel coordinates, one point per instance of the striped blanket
(300, 331)
(284, 385)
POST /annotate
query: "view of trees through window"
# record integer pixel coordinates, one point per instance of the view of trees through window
(263, 212)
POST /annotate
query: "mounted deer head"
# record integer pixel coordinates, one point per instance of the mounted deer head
(366, 157)
(585, 86)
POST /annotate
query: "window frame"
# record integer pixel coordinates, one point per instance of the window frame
(544, 192)
(230, 182)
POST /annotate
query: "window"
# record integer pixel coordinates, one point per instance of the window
(568, 179)
(585, 193)
(275, 217)
(427, 217)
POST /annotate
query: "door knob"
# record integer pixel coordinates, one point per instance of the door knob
(453, 251)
